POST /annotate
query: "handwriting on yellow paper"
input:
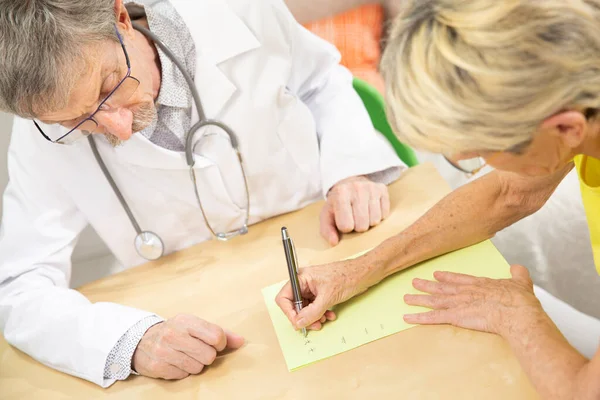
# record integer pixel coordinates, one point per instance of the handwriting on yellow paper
(377, 313)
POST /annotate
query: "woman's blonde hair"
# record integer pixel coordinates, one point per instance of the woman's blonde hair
(474, 75)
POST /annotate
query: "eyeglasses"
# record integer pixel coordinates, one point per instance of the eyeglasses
(71, 131)
(471, 166)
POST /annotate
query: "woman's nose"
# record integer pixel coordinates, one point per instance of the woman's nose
(116, 122)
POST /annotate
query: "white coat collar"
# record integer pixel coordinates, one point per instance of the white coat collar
(219, 35)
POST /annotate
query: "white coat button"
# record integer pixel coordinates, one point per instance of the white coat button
(115, 368)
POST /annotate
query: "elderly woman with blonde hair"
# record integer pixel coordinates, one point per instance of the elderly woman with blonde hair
(514, 84)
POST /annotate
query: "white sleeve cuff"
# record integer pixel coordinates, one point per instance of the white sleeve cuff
(118, 363)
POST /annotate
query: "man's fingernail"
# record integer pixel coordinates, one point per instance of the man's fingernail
(300, 322)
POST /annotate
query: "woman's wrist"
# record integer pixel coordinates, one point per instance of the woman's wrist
(524, 323)
(375, 266)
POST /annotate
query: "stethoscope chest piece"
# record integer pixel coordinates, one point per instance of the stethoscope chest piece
(149, 245)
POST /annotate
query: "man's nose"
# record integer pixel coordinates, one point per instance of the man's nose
(116, 122)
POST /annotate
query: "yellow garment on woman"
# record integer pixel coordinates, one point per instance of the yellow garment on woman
(588, 169)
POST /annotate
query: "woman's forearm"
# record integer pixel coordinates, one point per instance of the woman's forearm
(468, 215)
(555, 368)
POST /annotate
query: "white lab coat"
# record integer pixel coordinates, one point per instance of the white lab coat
(301, 129)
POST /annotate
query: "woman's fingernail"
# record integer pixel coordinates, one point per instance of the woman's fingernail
(300, 322)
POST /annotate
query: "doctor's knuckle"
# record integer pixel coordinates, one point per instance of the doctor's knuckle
(191, 366)
(169, 335)
(177, 375)
(215, 335)
(344, 193)
(195, 368)
(358, 186)
(161, 351)
(155, 367)
(210, 355)
(183, 319)
(345, 225)
(362, 225)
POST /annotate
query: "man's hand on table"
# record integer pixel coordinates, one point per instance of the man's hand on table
(483, 304)
(181, 346)
(353, 204)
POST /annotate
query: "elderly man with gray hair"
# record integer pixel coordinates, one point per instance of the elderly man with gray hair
(289, 131)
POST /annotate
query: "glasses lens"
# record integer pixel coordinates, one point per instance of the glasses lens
(69, 132)
(123, 93)
(469, 166)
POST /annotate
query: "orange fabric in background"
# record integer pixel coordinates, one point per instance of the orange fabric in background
(357, 34)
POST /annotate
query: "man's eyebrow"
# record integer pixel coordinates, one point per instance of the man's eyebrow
(98, 99)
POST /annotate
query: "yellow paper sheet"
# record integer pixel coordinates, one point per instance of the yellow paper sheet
(377, 313)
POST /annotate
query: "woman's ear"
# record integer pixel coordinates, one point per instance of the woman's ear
(569, 126)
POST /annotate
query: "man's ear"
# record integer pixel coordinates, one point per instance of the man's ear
(569, 126)
(122, 17)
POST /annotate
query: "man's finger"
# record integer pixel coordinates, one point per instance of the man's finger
(342, 208)
(186, 363)
(162, 370)
(210, 334)
(171, 372)
(234, 341)
(385, 204)
(360, 211)
(197, 349)
(328, 227)
(375, 210)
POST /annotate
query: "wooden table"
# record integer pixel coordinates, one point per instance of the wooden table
(222, 282)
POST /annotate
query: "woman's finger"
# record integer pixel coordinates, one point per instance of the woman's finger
(433, 287)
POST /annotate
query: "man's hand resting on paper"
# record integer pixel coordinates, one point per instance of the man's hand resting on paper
(181, 346)
(353, 204)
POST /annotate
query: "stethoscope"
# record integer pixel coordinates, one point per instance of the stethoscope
(148, 244)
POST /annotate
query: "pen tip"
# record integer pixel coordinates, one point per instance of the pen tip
(283, 229)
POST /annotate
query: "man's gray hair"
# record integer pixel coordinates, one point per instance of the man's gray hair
(42, 50)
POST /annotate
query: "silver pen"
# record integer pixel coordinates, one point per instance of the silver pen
(292, 263)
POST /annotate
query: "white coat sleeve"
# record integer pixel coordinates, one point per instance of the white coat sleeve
(349, 144)
(39, 314)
